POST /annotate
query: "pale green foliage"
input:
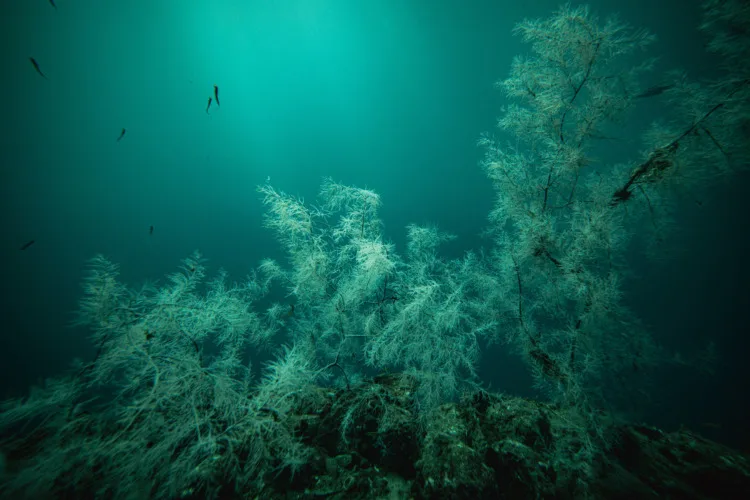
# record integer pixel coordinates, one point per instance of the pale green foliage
(360, 207)
(373, 263)
(433, 334)
(180, 411)
(559, 241)
(338, 274)
(291, 374)
(565, 95)
(156, 363)
(269, 436)
(103, 294)
(562, 207)
(288, 216)
(176, 409)
(294, 225)
(423, 242)
(417, 314)
(568, 86)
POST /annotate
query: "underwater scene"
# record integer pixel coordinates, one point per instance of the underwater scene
(375, 249)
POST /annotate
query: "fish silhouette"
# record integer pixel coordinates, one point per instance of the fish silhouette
(36, 67)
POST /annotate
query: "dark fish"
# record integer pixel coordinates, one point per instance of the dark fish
(122, 134)
(209, 104)
(52, 3)
(27, 245)
(151, 230)
(216, 95)
(655, 90)
(36, 67)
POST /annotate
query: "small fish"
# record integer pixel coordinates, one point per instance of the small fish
(655, 90)
(122, 134)
(36, 67)
(209, 104)
(27, 244)
(52, 3)
(216, 95)
(151, 230)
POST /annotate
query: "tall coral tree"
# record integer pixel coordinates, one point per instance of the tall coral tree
(562, 204)
(368, 307)
(558, 240)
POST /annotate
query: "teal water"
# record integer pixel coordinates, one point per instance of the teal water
(388, 95)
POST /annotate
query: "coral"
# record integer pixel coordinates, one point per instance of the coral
(378, 347)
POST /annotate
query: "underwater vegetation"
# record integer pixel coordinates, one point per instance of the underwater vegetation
(374, 391)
